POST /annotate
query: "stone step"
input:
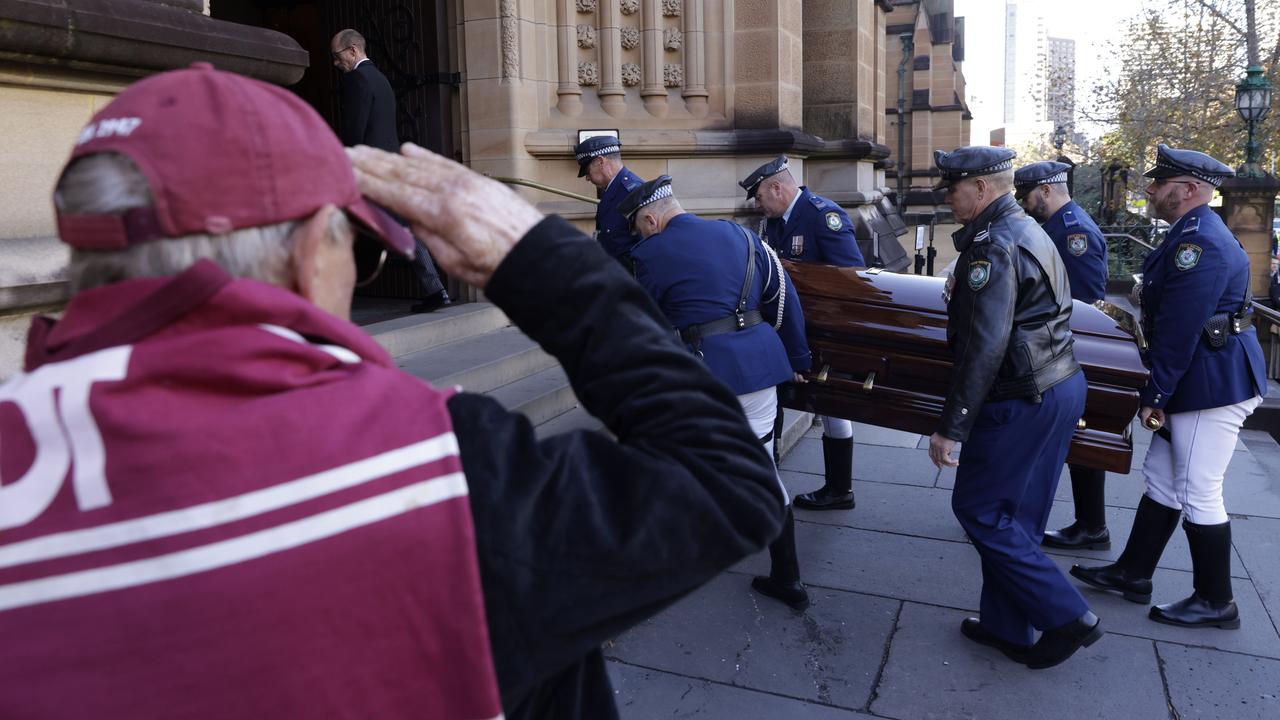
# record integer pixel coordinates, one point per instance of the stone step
(794, 425)
(540, 397)
(480, 363)
(417, 332)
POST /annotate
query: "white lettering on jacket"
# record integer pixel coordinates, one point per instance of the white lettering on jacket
(54, 401)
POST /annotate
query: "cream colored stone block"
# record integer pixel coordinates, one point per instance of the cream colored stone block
(480, 9)
(830, 14)
(756, 105)
(39, 128)
(750, 14)
(484, 49)
(756, 56)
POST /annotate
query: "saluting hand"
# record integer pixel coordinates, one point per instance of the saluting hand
(467, 221)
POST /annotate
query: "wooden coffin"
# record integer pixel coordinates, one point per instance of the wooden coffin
(880, 356)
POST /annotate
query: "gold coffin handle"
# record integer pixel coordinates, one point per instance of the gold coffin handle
(822, 374)
(1081, 424)
(870, 383)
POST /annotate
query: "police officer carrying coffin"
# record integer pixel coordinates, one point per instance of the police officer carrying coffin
(805, 227)
(734, 307)
(600, 161)
(1015, 396)
(1207, 375)
(1041, 189)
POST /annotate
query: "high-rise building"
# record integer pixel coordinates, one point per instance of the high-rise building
(1060, 97)
(1039, 77)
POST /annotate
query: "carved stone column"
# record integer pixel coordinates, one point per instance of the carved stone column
(1248, 207)
(612, 94)
(653, 91)
(695, 58)
(568, 89)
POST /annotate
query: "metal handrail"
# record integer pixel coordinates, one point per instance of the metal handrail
(1131, 238)
(1266, 312)
(544, 188)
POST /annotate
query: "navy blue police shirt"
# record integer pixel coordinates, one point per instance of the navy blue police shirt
(1083, 251)
(612, 230)
(817, 231)
(1198, 271)
(694, 269)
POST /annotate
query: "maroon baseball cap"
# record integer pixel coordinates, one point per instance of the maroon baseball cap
(220, 152)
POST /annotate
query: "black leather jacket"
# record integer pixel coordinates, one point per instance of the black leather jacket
(1008, 317)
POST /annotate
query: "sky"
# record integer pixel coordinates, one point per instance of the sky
(1093, 24)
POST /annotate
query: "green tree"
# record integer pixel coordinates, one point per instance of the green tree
(1179, 64)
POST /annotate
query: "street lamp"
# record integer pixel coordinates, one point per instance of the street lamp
(1253, 101)
(1059, 137)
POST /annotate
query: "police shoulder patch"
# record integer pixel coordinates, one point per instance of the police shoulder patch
(833, 221)
(979, 274)
(1187, 256)
(1077, 244)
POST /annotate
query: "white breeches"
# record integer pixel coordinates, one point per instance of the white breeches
(760, 407)
(1187, 473)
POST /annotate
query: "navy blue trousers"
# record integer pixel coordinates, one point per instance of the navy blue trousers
(1009, 470)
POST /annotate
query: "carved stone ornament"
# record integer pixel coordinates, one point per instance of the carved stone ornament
(672, 75)
(629, 7)
(630, 74)
(672, 39)
(671, 8)
(588, 73)
(630, 38)
(586, 36)
(586, 6)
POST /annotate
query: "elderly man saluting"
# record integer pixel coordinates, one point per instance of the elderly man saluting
(223, 500)
(1016, 395)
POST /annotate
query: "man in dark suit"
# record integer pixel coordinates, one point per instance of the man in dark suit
(369, 118)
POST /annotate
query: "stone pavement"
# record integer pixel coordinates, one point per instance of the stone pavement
(890, 582)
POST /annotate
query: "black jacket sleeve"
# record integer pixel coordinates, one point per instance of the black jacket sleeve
(357, 103)
(579, 535)
(979, 321)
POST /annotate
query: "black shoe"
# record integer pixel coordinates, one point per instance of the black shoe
(1113, 577)
(824, 499)
(1077, 537)
(972, 629)
(792, 593)
(1195, 611)
(1058, 644)
(434, 302)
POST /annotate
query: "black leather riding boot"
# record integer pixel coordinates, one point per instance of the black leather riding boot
(783, 581)
(837, 493)
(1211, 603)
(1130, 575)
(1088, 490)
(1089, 531)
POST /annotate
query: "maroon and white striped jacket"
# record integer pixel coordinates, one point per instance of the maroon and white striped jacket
(217, 501)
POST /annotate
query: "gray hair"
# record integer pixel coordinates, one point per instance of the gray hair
(1001, 182)
(347, 38)
(110, 183)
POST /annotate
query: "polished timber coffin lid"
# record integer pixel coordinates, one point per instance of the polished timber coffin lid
(880, 356)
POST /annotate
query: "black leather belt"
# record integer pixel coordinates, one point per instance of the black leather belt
(733, 323)
(1220, 325)
(1033, 386)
